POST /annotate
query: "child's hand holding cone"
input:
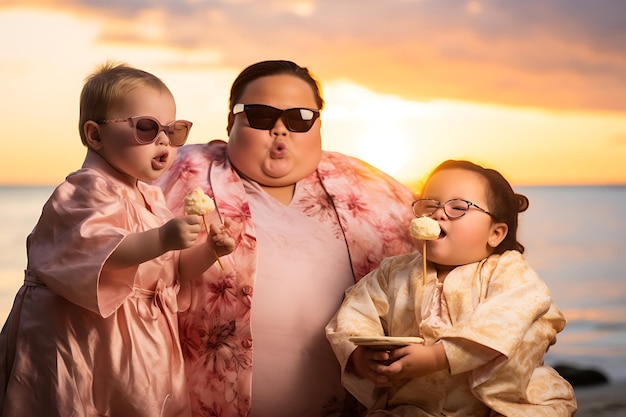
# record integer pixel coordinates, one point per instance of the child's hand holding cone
(197, 202)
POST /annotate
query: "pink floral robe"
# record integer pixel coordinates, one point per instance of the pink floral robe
(369, 211)
(496, 320)
(83, 342)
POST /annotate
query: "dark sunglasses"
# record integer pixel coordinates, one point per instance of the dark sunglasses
(264, 117)
(147, 129)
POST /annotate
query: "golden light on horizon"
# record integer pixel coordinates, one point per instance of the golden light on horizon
(41, 78)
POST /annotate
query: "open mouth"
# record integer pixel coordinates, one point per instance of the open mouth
(160, 161)
(162, 157)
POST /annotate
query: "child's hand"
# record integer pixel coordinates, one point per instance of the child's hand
(413, 361)
(365, 363)
(180, 232)
(220, 240)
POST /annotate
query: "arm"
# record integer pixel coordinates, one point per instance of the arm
(178, 233)
(197, 259)
(136, 248)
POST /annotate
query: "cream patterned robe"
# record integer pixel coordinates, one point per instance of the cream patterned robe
(373, 212)
(496, 320)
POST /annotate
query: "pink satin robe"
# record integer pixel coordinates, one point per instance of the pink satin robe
(371, 212)
(495, 318)
(83, 342)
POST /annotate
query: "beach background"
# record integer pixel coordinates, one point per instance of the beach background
(533, 89)
(575, 237)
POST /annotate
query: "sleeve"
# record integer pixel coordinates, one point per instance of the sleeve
(80, 226)
(522, 385)
(506, 299)
(363, 312)
(514, 318)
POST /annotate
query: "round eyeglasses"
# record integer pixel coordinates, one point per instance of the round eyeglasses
(454, 208)
(147, 129)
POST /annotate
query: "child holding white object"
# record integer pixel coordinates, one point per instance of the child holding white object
(93, 330)
(485, 316)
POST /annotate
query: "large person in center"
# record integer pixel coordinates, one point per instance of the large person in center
(307, 224)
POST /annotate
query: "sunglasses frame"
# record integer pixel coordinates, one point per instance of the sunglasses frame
(278, 113)
(132, 121)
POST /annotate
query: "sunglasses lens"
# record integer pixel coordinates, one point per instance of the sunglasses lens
(178, 133)
(299, 120)
(262, 117)
(147, 130)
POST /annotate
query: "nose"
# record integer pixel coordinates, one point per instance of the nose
(162, 138)
(279, 128)
(439, 213)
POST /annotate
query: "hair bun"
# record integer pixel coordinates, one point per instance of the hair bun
(522, 202)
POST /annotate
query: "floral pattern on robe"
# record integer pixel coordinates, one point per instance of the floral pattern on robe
(373, 212)
(496, 320)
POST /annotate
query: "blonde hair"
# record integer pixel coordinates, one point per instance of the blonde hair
(107, 87)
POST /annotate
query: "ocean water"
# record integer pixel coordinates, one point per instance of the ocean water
(575, 238)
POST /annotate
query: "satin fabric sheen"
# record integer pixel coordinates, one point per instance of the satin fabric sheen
(495, 318)
(82, 342)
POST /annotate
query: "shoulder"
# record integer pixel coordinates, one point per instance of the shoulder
(335, 166)
(347, 162)
(88, 184)
(510, 259)
(83, 194)
(197, 153)
(511, 269)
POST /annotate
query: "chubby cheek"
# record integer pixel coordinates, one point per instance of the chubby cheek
(247, 143)
(458, 248)
(171, 157)
(308, 149)
(471, 247)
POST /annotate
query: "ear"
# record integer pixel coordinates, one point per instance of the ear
(497, 234)
(231, 122)
(92, 134)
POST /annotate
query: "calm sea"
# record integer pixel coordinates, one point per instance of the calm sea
(575, 238)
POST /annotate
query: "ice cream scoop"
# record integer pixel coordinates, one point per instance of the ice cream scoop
(197, 202)
(424, 228)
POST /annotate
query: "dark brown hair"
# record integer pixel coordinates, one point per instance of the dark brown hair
(267, 68)
(504, 203)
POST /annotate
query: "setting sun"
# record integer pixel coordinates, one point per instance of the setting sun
(403, 112)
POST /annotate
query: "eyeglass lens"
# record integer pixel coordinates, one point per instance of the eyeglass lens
(453, 208)
(264, 117)
(148, 129)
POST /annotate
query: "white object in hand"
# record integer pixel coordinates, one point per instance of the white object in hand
(424, 228)
(197, 202)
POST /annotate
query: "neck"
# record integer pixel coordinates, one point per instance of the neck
(283, 194)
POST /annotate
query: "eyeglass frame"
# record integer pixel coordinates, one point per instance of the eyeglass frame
(132, 121)
(280, 113)
(441, 205)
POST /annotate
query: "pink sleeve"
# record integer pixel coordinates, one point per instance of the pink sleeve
(81, 224)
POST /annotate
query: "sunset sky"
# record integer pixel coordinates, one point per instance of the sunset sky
(535, 89)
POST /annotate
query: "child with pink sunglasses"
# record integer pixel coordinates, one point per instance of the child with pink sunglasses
(93, 330)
